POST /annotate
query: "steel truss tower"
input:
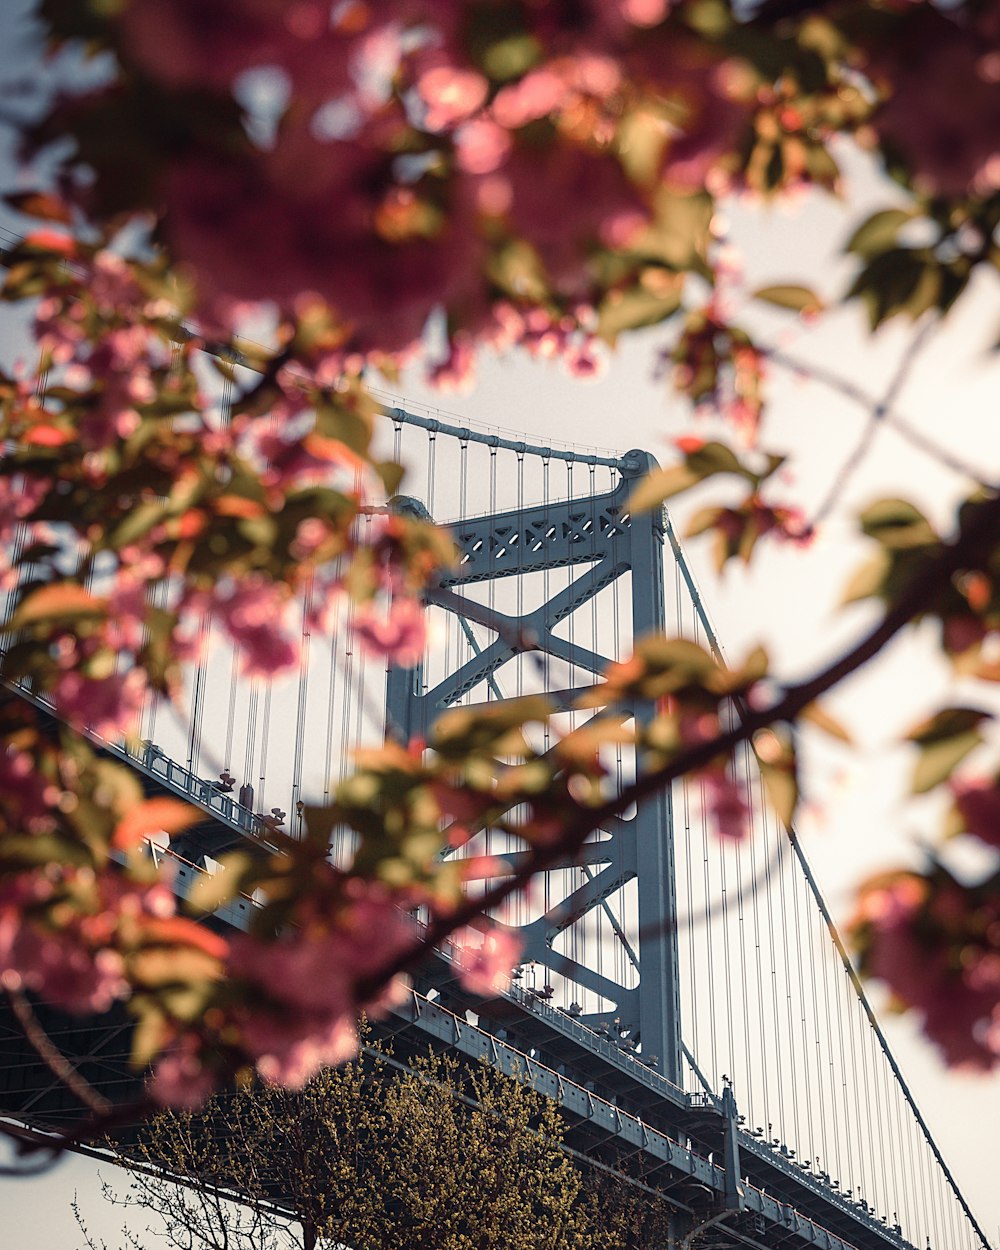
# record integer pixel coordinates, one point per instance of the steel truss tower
(606, 542)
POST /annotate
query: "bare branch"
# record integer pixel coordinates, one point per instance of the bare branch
(850, 390)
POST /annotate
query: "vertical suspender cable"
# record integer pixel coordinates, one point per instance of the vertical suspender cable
(300, 711)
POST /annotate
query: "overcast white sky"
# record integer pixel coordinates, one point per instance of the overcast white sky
(859, 818)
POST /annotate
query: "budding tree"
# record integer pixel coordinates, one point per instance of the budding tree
(369, 1155)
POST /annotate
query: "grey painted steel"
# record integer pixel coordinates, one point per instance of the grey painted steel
(466, 435)
(599, 532)
(660, 1151)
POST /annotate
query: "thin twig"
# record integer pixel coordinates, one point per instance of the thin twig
(876, 417)
(850, 390)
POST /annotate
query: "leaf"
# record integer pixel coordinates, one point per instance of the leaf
(944, 740)
(778, 767)
(211, 890)
(40, 204)
(151, 1033)
(179, 931)
(879, 232)
(946, 723)
(940, 759)
(893, 282)
(896, 523)
(637, 307)
(159, 815)
(62, 601)
(659, 485)
(715, 457)
(818, 716)
(461, 730)
(701, 461)
(869, 579)
(797, 298)
(156, 966)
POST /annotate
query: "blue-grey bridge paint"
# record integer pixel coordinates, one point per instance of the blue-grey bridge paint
(599, 532)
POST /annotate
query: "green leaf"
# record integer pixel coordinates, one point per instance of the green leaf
(944, 740)
(150, 1034)
(946, 724)
(939, 760)
(715, 457)
(461, 730)
(869, 579)
(896, 523)
(879, 232)
(798, 298)
(661, 484)
(636, 307)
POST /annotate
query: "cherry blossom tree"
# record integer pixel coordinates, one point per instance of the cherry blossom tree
(376, 183)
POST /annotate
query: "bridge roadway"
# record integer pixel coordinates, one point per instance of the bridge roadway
(723, 1180)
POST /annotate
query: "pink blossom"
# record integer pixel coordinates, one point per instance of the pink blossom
(962, 633)
(583, 361)
(311, 979)
(54, 332)
(256, 613)
(290, 1052)
(107, 705)
(184, 43)
(481, 146)
(589, 189)
(451, 96)
(19, 497)
(457, 372)
(979, 805)
(485, 969)
(727, 805)
(644, 12)
(26, 798)
(380, 261)
(909, 933)
(943, 112)
(181, 1079)
(126, 612)
(111, 284)
(61, 967)
(536, 95)
(400, 635)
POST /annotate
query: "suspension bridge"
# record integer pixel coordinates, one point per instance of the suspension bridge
(689, 1004)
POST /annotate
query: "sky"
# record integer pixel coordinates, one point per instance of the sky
(858, 817)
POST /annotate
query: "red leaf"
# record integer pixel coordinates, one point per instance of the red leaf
(179, 931)
(40, 204)
(51, 241)
(159, 815)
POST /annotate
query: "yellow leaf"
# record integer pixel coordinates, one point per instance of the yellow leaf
(822, 719)
(62, 601)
